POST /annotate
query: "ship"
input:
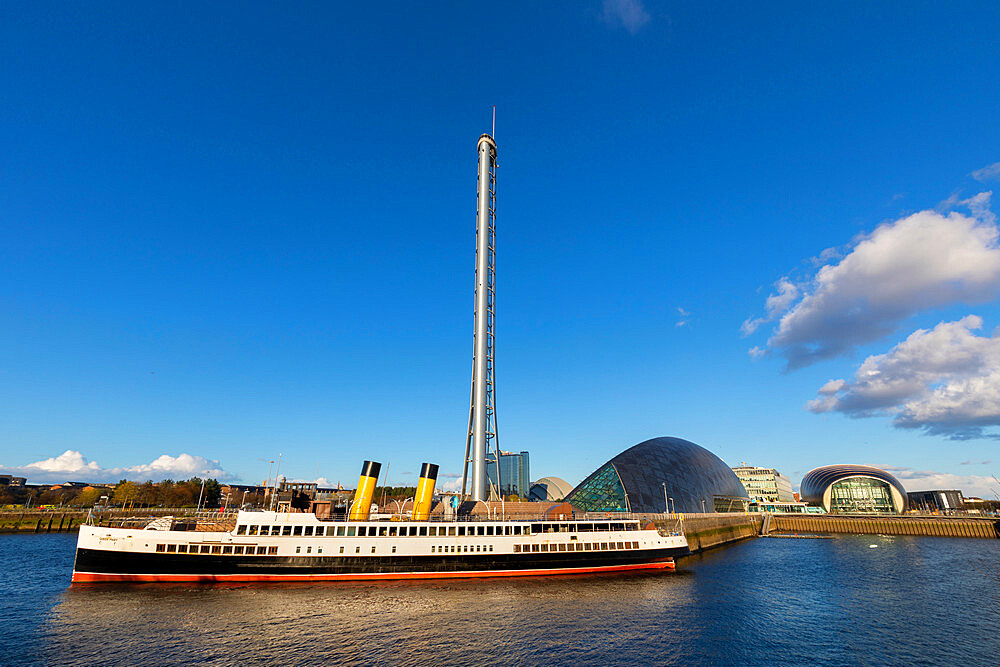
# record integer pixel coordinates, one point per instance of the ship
(358, 544)
(273, 546)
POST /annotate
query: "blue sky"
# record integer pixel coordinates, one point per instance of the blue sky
(232, 231)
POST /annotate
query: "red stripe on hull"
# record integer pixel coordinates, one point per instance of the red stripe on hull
(98, 577)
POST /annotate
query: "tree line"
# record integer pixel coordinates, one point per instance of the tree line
(168, 493)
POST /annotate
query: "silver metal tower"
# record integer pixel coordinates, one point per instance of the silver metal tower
(482, 436)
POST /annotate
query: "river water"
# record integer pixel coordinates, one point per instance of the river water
(910, 600)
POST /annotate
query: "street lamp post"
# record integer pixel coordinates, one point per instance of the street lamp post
(674, 506)
(200, 494)
(400, 504)
(666, 503)
(703, 511)
(274, 495)
(267, 481)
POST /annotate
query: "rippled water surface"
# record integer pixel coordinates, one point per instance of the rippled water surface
(767, 601)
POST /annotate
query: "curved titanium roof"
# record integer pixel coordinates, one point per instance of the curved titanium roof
(817, 480)
(691, 474)
(549, 488)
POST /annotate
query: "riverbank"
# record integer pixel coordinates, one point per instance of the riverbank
(924, 526)
(41, 522)
(57, 521)
(706, 531)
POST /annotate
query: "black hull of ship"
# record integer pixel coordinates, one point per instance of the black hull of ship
(94, 566)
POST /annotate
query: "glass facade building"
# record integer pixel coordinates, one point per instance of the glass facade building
(949, 500)
(659, 475)
(515, 473)
(549, 489)
(765, 484)
(853, 489)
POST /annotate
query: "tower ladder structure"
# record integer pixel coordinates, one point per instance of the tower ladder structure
(482, 436)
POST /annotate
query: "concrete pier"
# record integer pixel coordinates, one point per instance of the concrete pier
(704, 531)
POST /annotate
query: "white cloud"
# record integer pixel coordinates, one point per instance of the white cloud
(68, 461)
(777, 302)
(682, 317)
(71, 465)
(182, 465)
(945, 381)
(628, 14)
(926, 260)
(826, 255)
(454, 485)
(987, 173)
(321, 482)
(927, 480)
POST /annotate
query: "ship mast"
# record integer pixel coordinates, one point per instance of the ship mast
(482, 435)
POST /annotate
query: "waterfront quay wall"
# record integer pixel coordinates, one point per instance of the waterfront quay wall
(56, 521)
(40, 522)
(930, 526)
(704, 531)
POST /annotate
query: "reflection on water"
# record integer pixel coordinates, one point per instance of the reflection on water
(766, 601)
(514, 620)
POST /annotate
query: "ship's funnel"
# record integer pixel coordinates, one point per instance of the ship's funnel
(425, 492)
(366, 490)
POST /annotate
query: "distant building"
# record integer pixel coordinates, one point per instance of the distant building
(244, 488)
(69, 485)
(937, 501)
(308, 488)
(331, 493)
(656, 473)
(778, 507)
(549, 489)
(854, 489)
(10, 480)
(975, 505)
(515, 474)
(765, 484)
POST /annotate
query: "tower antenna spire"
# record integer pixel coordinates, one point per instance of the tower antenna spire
(493, 133)
(482, 434)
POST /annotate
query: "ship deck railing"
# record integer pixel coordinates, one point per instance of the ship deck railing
(137, 519)
(225, 520)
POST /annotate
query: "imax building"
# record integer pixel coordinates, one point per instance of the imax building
(853, 489)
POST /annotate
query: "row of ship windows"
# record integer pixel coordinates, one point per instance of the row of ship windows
(239, 549)
(225, 549)
(465, 548)
(430, 531)
(575, 546)
(381, 531)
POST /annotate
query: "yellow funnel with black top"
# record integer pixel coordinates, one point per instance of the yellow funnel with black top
(362, 503)
(425, 492)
